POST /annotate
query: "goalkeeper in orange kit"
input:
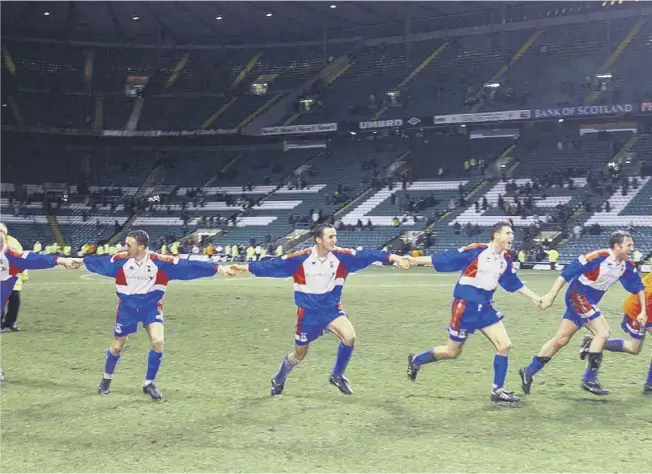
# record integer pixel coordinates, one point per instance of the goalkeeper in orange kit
(632, 326)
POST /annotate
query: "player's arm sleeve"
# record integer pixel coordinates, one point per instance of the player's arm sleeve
(355, 260)
(179, 269)
(631, 279)
(17, 246)
(454, 260)
(104, 265)
(580, 266)
(31, 261)
(509, 280)
(279, 267)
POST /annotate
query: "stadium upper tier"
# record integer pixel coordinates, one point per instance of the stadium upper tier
(84, 87)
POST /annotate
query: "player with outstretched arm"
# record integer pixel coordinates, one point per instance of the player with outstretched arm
(319, 274)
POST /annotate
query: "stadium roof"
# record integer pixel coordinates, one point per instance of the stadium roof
(235, 22)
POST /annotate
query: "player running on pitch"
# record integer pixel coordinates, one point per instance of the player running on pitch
(589, 277)
(484, 267)
(141, 279)
(13, 263)
(634, 326)
(319, 275)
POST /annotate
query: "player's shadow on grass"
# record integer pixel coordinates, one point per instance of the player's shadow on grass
(132, 401)
(334, 397)
(589, 400)
(471, 400)
(46, 384)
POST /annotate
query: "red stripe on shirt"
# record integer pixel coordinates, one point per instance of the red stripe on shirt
(161, 278)
(300, 275)
(121, 278)
(472, 269)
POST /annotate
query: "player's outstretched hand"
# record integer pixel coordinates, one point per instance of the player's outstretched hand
(411, 261)
(546, 301)
(241, 268)
(233, 270)
(642, 319)
(536, 299)
(70, 263)
(405, 263)
(225, 270)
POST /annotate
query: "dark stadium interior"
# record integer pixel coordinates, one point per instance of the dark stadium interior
(588, 55)
(231, 129)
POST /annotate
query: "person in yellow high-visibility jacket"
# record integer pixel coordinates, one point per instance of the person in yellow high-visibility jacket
(10, 312)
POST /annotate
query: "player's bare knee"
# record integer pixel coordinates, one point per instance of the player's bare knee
(298, 354)
(504, 347)
(118, 345)
(453, 352)
(602, 334)
(348, 339)
(157, 344)
(116, 349)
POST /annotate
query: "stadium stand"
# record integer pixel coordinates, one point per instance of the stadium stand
(425, 182)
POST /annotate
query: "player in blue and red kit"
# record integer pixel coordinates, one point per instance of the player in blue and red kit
(635, 325)
(13, 263)
(319, 275)
(589, 277)
(141, 279)
(484, 267)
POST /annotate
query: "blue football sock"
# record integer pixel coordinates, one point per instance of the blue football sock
(649, 374)
(343, 356)
(286, 368)
(591, 372)
(614, 345)
(425, 357)
(536, 365)
(153, 363)
(500, 370)
(110, 363)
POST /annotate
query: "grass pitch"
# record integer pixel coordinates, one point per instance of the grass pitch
(225, 339)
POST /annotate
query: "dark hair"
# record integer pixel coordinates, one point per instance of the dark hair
(618, 237)
(498, 227)
(319, 231)
(141, 237)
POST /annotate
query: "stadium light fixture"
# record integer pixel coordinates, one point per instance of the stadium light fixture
(46, 13)
(135, 17)
(219, 18)
(268, 14)
(333, 6)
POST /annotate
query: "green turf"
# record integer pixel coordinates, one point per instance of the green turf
(226, 338)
